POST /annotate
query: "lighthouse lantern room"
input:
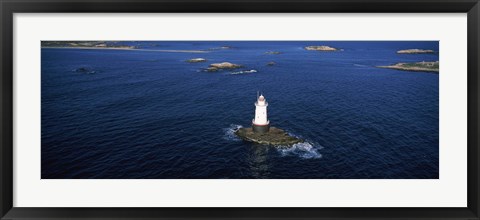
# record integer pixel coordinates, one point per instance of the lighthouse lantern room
(260, 123)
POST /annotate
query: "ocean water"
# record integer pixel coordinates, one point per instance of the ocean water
(150, 115)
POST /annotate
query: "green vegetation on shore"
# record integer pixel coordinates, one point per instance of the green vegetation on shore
(86, 44)
(417, 67)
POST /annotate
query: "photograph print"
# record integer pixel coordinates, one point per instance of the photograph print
(240, 109)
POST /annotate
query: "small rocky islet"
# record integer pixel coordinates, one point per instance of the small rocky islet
(214, 67)
(321, 48)
(275, 136)
(415, 51)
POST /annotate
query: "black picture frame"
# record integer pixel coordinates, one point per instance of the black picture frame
(9, 7)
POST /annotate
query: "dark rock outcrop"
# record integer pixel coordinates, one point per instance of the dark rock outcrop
(84, 70)
(275, 136)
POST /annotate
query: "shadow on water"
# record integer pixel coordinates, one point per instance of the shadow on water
(258, 160)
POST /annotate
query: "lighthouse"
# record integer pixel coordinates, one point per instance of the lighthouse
(262, 133)
(260, 123)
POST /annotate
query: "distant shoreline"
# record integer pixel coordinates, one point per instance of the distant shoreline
(132, 49)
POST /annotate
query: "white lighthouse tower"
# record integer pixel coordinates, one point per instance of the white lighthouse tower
(260, 123)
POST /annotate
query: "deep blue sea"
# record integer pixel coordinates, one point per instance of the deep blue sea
(126, 114)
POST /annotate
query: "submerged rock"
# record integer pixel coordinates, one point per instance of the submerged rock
(275, 136)
(273, 52)
(271, 63)
(414, 51)
(84, 70)
(196, 60)
(220, 66)
(211, 69)
(321, 48)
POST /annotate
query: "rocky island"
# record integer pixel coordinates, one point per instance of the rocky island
(221, 66)
(414, 51)
(275, 136)
(321, 48)
(418, 66)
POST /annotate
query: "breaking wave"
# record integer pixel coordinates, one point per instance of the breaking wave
(304, 150)
(230, 133)
(243, 72)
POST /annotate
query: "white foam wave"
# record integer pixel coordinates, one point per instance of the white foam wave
(230, 133)
(243, 72)
(360, 65)
(304, 150)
